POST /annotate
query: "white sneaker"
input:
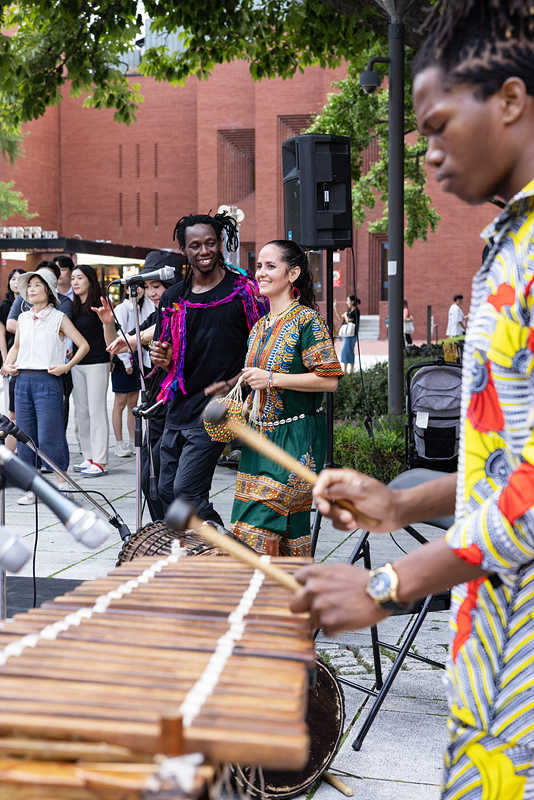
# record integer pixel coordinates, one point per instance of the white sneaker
(122, 450)
(94, 470)
(82, 466)
(27, 499)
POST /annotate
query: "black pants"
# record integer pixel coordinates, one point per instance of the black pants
(151, 465)
(188, 458)
(67, 390)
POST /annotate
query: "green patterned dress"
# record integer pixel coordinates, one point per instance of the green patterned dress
(272, 507)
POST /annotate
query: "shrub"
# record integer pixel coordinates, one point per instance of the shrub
(382, 456)
(351, 402)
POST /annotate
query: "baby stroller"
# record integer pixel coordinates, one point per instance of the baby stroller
(433, 401)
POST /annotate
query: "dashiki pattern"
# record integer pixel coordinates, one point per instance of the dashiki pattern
(272, 507)
(490, 678)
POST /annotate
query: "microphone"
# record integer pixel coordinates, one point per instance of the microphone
(8, 427)
(163, 274)
(81, 523)
(13, 552)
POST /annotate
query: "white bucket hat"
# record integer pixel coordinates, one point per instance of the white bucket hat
(46, 275)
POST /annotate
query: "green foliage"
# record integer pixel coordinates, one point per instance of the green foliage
(50, 42)
(350, 112)
(381, 456)
(12, 202)
(351, 402)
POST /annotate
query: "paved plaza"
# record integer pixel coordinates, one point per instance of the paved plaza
(401, 757)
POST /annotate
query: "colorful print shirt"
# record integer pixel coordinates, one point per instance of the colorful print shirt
(491, 672)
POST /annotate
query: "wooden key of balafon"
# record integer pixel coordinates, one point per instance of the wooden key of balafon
(215, 413)
(181, 516)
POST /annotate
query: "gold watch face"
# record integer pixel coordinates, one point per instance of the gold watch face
(379, 586)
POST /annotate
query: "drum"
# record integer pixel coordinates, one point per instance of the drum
(326, 720)
(156, 539)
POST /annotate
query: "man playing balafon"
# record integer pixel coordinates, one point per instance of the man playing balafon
(474, 99)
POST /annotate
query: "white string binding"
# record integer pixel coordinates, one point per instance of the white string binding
(50, 632)
(204, 686)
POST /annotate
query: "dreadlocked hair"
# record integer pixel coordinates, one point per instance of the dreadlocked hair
(483, 42)
(219, 223)
(294, 256)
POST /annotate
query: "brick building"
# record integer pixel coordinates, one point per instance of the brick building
(218, 141)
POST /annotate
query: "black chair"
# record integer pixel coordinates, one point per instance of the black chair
(440, 602)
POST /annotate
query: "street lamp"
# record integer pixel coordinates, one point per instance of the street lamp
(370, 81)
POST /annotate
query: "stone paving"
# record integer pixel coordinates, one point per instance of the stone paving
(401, 757)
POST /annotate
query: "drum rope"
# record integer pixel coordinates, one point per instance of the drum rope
(50, 632)
(204, 686)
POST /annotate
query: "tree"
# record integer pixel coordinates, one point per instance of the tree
(52, 42)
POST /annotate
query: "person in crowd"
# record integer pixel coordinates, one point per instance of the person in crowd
(150, 453)
(38, 357)
(474, 99)
(350, 323)
(125, 372)
(19, 304)
(90, 376)
(64, 284)
(289, 365)
(455, 317)
(64, 287)
(6, 342)
(201, 338)
(408, 326)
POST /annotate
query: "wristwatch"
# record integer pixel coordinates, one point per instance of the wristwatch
(382, 588)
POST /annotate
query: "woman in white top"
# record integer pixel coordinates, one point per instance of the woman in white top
(125, 374)
(38, 359)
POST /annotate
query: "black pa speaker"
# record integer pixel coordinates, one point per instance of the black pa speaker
(317, 191)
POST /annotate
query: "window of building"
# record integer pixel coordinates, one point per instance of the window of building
(138, 208)
(288, 127)
(120, 210)
(236, 178)
(120, 161)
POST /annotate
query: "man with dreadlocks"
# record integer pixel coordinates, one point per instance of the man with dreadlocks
(202, 332)
(474, 99)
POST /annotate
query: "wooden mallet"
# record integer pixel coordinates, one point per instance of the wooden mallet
(181, 515)
(215, 413)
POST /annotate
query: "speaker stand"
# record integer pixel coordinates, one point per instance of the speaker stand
(329, 455)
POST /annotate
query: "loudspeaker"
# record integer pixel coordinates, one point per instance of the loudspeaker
(317, 191)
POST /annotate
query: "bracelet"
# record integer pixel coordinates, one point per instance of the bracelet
(270, 381)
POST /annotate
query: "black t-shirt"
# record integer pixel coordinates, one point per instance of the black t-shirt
(353, 315)
(216, 346)
(89, 325)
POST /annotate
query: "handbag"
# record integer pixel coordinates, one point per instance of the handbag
(347, 329)
(219, 432)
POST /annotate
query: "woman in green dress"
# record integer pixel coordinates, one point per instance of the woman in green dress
(290, 363)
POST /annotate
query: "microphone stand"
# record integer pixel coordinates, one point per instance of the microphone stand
(137, 417)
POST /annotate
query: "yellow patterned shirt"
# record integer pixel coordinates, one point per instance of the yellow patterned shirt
(491, 672)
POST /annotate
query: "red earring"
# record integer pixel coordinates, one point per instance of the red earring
(295, 292)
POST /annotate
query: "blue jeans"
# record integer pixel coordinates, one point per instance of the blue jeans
(347, 351)
(39, 412)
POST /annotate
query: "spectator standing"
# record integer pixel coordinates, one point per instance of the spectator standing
(408, 326)
(90, 377)
(20, 304)
(125, 372)
(6, 343)
(348, 331)
(64, 283)
(456, 319)
(64, 287)
(38, 357)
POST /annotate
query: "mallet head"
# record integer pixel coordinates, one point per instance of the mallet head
(179, 514)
